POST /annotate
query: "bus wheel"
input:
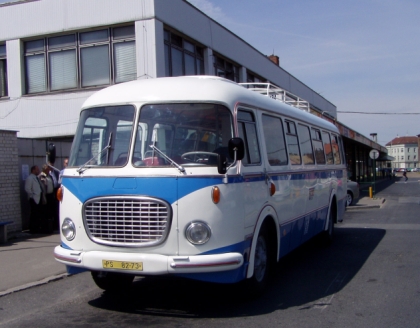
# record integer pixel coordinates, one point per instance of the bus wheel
(327, 235)
(111, 281)
(262, 263)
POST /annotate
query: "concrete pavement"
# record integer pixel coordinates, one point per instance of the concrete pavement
(27, 260)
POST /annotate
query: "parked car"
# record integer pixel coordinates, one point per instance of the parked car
(352, 192)
(416, 169)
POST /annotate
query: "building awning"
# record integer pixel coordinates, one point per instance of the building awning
(385, 158)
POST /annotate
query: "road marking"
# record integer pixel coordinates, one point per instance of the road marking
(386, 226)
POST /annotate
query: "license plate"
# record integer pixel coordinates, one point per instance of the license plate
(110, 264)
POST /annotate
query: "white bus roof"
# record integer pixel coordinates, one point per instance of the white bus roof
(210, 89)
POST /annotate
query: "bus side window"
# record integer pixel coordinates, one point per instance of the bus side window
(306, 145)
(248, 132)
(336, 150)
(274, 140)
(318, 147)
(327, 147)
(293, 143)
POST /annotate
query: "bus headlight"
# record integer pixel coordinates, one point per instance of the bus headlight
(198, 233)
(68, 229)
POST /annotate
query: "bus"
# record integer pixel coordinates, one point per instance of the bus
(196, 177)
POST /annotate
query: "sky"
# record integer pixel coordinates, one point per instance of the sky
(361, 55)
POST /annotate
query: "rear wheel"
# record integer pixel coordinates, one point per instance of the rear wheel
(349, 199)
(327, 235)
(112, 281)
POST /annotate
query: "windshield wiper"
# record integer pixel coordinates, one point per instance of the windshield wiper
(179, 167)
(108, 146)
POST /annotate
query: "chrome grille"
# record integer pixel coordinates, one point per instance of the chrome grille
(127, 221)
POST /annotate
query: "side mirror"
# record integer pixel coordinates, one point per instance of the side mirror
(51, 153)
(236, 145)
(221, 164)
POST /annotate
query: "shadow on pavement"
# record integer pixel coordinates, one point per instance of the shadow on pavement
(307, 278)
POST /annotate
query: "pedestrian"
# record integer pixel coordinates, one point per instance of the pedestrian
(405, 175)
(65, 163)
(48, 208)
(34, 190)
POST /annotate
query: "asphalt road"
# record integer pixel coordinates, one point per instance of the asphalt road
(369, 277)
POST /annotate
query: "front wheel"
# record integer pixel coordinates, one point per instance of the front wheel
(263, 263)
(349, 198)
(112, 281)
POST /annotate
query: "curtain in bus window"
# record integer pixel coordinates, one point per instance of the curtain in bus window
(293, 143)
(317, 146)
(327, 147)
(274, 140)
(336, 151)
(305, 144)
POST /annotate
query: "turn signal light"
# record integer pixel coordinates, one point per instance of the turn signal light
(215, 195)
(59, 195)
(272, 189)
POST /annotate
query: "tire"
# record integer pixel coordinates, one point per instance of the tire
(111, 281)
(328, 234)
(263, 264)
(349, 199)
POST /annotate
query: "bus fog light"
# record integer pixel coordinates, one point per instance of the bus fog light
(198, 233)
(68, 229)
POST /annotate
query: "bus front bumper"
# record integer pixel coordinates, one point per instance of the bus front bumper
(147, 264)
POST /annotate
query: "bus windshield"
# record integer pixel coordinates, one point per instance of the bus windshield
(188, 134)
(103, 136)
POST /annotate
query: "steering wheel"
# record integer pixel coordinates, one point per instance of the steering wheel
(201, 157)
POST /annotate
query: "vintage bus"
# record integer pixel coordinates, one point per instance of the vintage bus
(197, 177)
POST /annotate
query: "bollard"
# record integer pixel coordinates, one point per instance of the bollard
(370, 192)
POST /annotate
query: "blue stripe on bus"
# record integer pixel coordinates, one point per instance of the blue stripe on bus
(168, 188)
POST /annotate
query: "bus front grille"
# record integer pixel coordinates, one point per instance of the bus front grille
(127, 221)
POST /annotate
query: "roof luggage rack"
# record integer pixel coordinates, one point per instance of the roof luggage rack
(277, 93)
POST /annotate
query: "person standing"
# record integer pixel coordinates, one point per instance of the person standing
(65, 163)
(34, 190)
(47, 207)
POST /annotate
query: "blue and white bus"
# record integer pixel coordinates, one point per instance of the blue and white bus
(197, 177)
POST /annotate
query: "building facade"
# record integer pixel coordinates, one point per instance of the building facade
(405, 151)
(54, 54)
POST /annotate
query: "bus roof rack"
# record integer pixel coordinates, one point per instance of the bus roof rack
(277, 93)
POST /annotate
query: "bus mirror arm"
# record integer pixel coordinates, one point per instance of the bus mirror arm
(236, 151)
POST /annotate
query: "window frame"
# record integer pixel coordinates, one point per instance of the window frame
(75, 68)
(3, 72)
(222, 68)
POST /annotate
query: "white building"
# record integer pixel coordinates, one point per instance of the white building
(405, 151)
(56, 53)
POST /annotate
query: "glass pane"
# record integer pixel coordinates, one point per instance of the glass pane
(33, 46)
(200, 67)
(125, 61)
(95, 66)
(188, 46)
(274, 140)
(294, 154)
(124, 32)
(336, 151)
(190, 134)
(63, 70)
(177, 69)
(3, 78)
(305, 144)
(327, 147)
(176, 40)
(95, 36)
(97, 127)
(166, 35)
(189, 65)
(252, 141)
(2, 50)
(35, 74)
(167, 62)
(62, 41)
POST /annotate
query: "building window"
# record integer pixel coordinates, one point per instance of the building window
(251, 77)
(415, 157)
(3, 71)
(408, 150)
(226, 69)
(401, 150)
(408, 157)
(182, 57)
(402, 158)
(80, 60)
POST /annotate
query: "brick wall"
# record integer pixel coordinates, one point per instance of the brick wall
(10, 181)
